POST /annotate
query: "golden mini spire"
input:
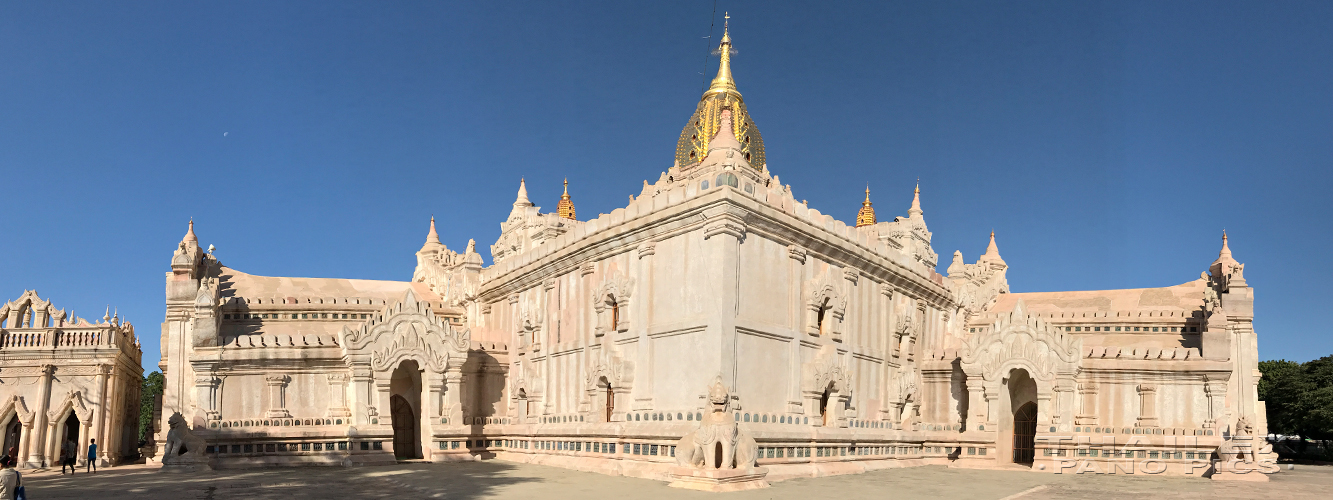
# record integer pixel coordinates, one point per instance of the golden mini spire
(866, 217)
(565, 208)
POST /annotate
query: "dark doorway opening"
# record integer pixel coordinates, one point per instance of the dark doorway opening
(1025, 433)
(406, 406)
(71, 434)
(13, 431)
(824, 412)
(404, 428)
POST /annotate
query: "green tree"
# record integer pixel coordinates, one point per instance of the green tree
(1284, 389)
(1299, 398)
(1318, 409)
(152, 387)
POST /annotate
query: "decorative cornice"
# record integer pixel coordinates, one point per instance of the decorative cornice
(851, 275)
(278, 379)
(725, 226)
(647, 249)
(796, 253)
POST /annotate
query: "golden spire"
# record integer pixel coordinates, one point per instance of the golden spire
(565, 208)
(866, 217)
(703, 126)
(723, 82)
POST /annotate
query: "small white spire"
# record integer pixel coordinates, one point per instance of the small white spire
(522, 193)
(915, 211)
(189, 234)
(432, 237)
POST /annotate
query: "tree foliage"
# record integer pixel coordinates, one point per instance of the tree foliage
(1299, 397)
(152, 387)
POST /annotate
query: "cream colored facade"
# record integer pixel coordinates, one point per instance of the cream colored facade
(595, 344)
(67, 379)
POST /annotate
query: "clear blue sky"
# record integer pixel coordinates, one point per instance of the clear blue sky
(1108, 144)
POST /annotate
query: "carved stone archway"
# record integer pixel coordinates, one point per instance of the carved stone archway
(15, 411)
(1019, 341)
(619, 375)
(825, 305)
(611, 302)
(73, 403)
(825, 388)
(406, 330)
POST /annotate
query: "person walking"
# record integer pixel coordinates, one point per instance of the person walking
(92, 455)
(67, 454)
(10, 481)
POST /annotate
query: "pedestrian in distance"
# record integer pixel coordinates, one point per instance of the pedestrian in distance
(92, 455)
(67, 453)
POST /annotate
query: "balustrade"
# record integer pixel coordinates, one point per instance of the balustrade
(51, 339)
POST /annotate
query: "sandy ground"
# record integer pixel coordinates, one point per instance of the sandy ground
(498, 479)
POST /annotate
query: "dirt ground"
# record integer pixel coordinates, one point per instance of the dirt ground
(498, 479)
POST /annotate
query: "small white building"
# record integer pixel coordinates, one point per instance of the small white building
(67, 379)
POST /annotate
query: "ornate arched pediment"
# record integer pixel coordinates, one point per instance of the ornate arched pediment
(407, 329)
(15, 404)
(824, 293)
(618, 372)
(73, 402)
(908, 384)
(1021, 340)
(827, 369)
(615, 288)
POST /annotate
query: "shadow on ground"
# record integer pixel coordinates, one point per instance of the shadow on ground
(496, 479)
(454, 481)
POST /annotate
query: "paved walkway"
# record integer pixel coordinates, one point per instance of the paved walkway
(497, 479)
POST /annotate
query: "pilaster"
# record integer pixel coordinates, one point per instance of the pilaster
(277, 396)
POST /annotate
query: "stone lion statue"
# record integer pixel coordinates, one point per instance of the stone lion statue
(182, 445)
(1241, 444)
(718, 442)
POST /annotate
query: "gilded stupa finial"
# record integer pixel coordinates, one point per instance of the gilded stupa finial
(722, 94)
(866, 217)
(565, 209)
(723, 82)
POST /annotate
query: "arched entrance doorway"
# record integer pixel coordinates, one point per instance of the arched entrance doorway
(1025, 433)
(405, 410)
(69, 434)
(1020, 418)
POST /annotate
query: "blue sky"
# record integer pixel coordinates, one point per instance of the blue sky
(1108, 144)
